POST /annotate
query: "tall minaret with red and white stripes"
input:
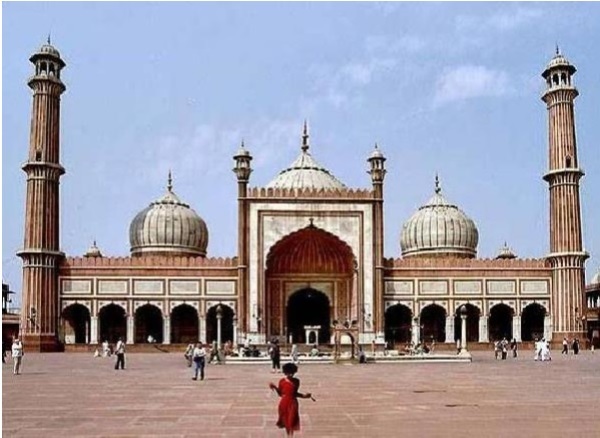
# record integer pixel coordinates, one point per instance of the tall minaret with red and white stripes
(567, 256)
(41, 250)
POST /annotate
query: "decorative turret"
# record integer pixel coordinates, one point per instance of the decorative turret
(93, 251)
(505, 253)
(377, 163)
(242, 167)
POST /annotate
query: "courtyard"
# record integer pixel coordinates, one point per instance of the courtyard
(77, 395)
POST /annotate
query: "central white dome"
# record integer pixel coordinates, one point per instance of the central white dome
(439, 228)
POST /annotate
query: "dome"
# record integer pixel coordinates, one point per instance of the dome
(168, 226)
(596, 279)
(506, 253)
(439, 229)
(47, 50)
(558, 61)
(305, 172)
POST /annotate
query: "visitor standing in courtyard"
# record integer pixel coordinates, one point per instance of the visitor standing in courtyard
(275, 353)
(17, 355)
(565, 345)
(294, 353)
(287, 389)
(575, 346)
(120, 352)
(199, 358)
(514, 347)
(188, 354)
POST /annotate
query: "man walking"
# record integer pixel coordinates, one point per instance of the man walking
(120, 352)
(199, 359)
(565, 344)
(17, 354)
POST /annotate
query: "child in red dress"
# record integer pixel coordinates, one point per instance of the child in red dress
(289, 418)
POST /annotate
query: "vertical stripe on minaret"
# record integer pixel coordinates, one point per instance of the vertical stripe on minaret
(567, 257)
(41, 250)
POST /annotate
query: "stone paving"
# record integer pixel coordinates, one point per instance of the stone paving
(76, 395)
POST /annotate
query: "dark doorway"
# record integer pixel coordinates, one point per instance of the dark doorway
(77, 322)
(184, 325)
(113, 323)
(500, 323)
(532, 322)
(226, 324)
(473, 314)
(433, 323)
(308, 307)
(397, 324)
(148, 322)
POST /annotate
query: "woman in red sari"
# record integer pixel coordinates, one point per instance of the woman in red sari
(289, 417)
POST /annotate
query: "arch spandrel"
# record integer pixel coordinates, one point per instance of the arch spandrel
(69, 303)
(121, 304)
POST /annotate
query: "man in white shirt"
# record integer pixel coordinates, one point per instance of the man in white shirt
(120, 352)
(17, 354)
(199, 358)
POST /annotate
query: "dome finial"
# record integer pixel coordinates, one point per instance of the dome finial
(557, 50)
(170, 182)
(305, 137)
(49, 40)
(438, 189)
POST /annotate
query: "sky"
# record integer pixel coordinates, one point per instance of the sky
(447, 88)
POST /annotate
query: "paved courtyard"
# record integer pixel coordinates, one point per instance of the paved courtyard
(76, 395)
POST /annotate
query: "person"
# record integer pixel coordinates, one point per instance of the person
(199, 358)
(538, 350)
(4, 350)
(151, 339)
(362, 357)
(432, 349)
(373, 348)
(458, 346)
(294, 353)
(97, 352)
(545, 350)
(314, 352)
(289, 416)
(214, 353)
(514, 347)
(275, 354)
(575, 346)
(105, 349)
(17, 355)
(496, 349)
(565, 345)
(504, 348)
(120, 352)
(189, 350)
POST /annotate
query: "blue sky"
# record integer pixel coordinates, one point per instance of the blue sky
(447, 88)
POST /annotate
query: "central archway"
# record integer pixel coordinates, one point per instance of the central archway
(308, 307)
(433, 323)
(307, 266)
(398, 320)
(473, 315)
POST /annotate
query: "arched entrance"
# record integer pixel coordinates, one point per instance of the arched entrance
(308, 307)
(473, 315)
(532, 322)
(433, 323)
(500, 322)
(397, 324)
(184, 324)
(148, 322)
(307, 266)
(226, 324)
(113, 323)
(76, 318)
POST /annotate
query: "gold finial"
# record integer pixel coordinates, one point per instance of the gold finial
(305, 136)
(170, 182)
(49, 38)
(438, 189)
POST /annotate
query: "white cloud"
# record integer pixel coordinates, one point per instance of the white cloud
(208, 150)
(468, 82)
(500, 21)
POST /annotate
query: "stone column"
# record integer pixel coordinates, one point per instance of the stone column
(167, 330)
(235, 332)
(416, 331)
(483, 329)
(130, 329)
(94, 330)
(516, 327)
(463, 333)
(548, 327)
(202, 329)
(450, 329)
(219, 321)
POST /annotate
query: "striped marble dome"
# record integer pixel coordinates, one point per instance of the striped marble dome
(168, 226)
(439, 228)
(305, 172)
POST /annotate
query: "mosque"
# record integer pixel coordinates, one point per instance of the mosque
(310, 257)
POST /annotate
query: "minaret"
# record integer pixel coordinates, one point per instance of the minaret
(242, 171)
(567, 256)
(377, 172)
(41, 250)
